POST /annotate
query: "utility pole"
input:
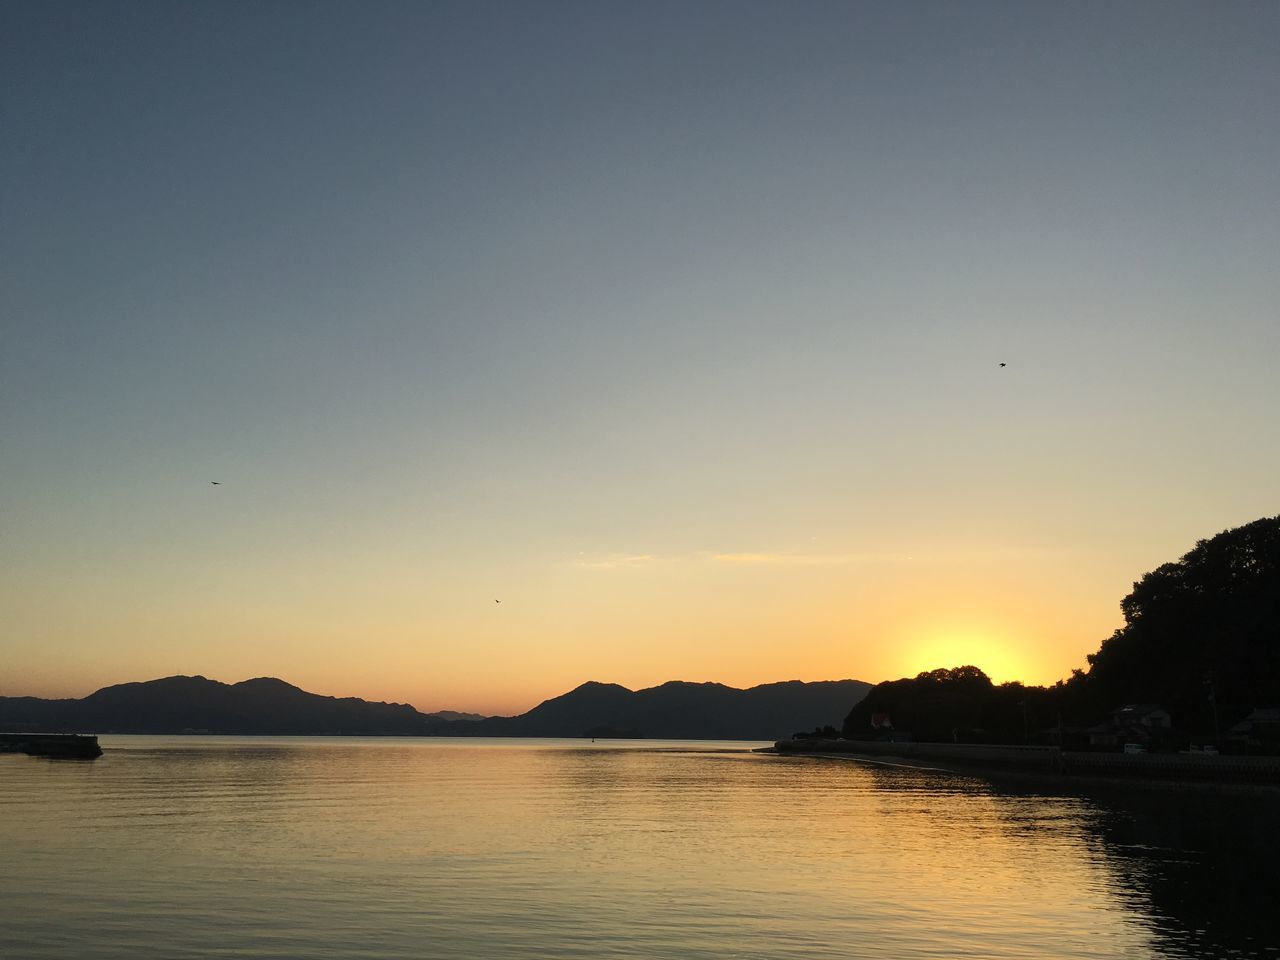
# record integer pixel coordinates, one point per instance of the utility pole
(1213, 702)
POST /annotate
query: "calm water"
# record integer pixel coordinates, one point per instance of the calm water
(345, 848)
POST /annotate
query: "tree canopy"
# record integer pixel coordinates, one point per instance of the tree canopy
(957, 704)
(1204, 628)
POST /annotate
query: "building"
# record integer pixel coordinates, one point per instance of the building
(1258, 732)
(1138, 723)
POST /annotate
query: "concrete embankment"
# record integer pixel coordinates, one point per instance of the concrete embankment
(1203, 768)
(70, 745)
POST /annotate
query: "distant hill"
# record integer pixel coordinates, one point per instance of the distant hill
(195, 704)
(265, 705)
(680, 710)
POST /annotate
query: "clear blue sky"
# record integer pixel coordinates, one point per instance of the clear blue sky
(672, 325)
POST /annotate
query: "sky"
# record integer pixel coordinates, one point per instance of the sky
(673, 327)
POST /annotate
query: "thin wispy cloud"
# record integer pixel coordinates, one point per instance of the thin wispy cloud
(783, 559)
(798, 559)
(763, 558)
(628, 562)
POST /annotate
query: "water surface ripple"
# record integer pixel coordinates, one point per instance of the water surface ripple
(200, 847)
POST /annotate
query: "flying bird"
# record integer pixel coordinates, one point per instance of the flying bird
(1004, 364)
(497, 601)
(216, 483)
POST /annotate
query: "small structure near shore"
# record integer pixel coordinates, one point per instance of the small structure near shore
(75, 746)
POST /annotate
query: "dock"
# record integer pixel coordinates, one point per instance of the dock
(77, 746)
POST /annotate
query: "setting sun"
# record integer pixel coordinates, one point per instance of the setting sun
(988, 648)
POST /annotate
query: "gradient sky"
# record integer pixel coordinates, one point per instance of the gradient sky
(673, 326)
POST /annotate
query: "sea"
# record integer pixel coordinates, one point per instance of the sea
(435, 849)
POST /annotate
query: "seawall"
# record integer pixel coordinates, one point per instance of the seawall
(70, 745)
(1051, 760)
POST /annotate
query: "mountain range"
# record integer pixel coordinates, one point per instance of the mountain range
(680, 710)
(265, 705)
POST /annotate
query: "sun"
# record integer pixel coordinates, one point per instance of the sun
(990, 650)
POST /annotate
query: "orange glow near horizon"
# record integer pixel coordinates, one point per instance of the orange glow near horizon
(982, 647)
(638, 623)
(375, 617)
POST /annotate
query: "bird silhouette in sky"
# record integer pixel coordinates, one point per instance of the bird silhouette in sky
(216, 483)
(1004, 364)
(497, 601)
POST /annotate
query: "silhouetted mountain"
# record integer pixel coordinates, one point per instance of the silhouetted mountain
(186, 704)
(270, 706)
(23, 714)
(680, 710)
(456, 715)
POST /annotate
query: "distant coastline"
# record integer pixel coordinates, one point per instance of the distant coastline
(1198, 770)
(269, 706)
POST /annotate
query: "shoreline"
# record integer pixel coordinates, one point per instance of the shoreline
(1048, 765)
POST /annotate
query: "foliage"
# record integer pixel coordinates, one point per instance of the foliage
(1200, 631)
(959, 705)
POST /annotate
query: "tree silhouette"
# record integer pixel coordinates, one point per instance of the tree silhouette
(1200, 632)
(960, 704)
